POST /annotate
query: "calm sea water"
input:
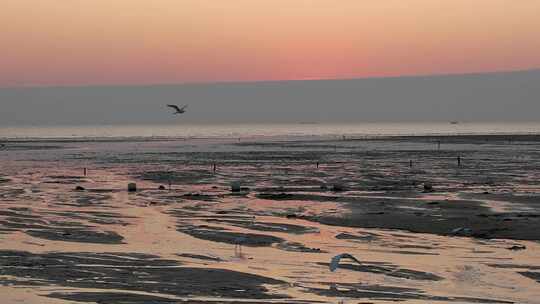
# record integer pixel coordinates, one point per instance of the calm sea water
(263, 130)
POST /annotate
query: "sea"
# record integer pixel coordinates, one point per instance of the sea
(265, 130)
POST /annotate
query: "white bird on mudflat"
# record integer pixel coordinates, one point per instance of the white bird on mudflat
(334, 263)
(178, 109)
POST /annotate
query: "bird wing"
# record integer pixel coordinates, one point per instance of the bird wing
(353, 258)
(183, 108)
(174, 107)
(334, 263)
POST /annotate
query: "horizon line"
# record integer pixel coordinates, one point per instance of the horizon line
(246, 82)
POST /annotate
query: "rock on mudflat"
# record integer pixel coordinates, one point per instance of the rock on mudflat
(338, 187)
(235, 186)
(428, 187)
(132, 187)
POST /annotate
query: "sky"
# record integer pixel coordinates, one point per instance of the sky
(491, 97)
(110, 42)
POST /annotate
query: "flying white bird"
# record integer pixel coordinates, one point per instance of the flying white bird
(334, 263)
(178, 109)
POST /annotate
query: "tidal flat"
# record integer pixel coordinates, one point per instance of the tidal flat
(432, 219)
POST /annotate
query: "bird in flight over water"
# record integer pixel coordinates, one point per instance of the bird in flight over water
(177, 109)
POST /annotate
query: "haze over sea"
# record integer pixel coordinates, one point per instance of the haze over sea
(304, 129)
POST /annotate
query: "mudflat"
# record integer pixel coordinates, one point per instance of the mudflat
(444, 219)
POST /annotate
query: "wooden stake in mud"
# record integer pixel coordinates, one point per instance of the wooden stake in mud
(317, 165)
(214, 168)
(85, 171)
(410, 163)
(459, 160)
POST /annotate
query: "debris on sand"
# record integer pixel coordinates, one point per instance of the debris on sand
(79, 188)
(161, 187)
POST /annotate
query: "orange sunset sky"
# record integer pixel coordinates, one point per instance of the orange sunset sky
(85, 42)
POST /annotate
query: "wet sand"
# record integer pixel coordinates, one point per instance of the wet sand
(434, 232)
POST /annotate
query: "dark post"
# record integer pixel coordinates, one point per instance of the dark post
(459, 160)
(317, 165)
(215, 167)
(84, 171)
(410, 163)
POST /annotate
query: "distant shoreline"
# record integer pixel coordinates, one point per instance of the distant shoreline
(511, 137)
